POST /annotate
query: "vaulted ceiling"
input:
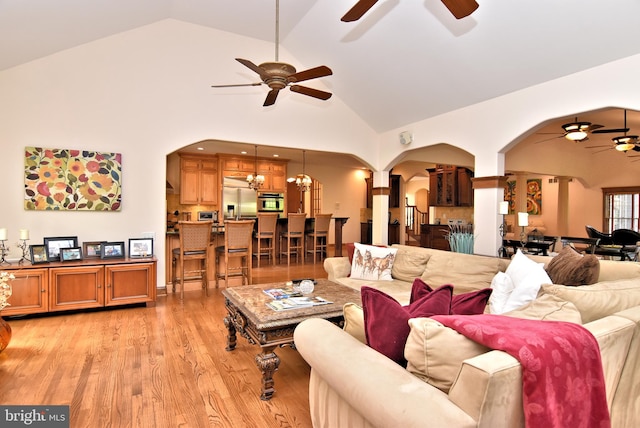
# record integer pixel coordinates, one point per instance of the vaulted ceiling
(404, 61)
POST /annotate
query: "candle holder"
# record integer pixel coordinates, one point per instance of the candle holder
(523, 238)
(25, 251)
(3, 253)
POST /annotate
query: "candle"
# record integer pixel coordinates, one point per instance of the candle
(523, 219)
(24, 234)
(504, 208)
(3, 234)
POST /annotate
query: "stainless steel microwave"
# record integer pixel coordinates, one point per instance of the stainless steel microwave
(208, 216)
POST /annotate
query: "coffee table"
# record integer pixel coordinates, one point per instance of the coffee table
(249, 315)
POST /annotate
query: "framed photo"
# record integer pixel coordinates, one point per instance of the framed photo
(91, 250)
(142, 247)
(55, 244)
(69, 254)
(111, 250)
(38, 254)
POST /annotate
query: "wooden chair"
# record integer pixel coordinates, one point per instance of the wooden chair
(266, 233)
(195, 241)
(238, 240)
(293, 237)
(316, 240)
(583, 245)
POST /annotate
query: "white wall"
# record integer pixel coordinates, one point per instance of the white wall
(145, 93)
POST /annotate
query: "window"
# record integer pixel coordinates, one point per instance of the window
(621, 208)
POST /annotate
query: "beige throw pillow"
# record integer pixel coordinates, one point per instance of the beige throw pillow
(354, 321)
(435, 353)
(599, 300)
(548, 308)
(466, 272)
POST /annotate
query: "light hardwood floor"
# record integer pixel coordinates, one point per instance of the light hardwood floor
(163, 366)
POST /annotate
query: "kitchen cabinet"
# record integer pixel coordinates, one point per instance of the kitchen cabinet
(394, 191)
(275, 175)
(450, 186)
(198, 180)
(84, 284)
(393, 233)
(434, 236)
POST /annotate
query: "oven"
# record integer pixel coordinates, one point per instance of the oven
(271, 203)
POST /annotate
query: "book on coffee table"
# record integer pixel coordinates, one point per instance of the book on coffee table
(297, 303)
(282, 293)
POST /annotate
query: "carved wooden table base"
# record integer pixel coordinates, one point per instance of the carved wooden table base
(249, 316)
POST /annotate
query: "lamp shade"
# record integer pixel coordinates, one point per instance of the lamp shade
(523, 219)
(504, 208)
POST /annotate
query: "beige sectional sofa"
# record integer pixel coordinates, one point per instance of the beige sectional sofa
(353, 385)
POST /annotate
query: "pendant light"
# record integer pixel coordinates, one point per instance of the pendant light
(255, 180)
(303, 181)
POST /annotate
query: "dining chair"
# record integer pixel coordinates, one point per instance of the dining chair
(195, 242)
(316, 240)
(293, 237)
(266, 234)
(238, 240)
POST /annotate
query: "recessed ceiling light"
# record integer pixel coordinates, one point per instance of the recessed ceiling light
(276, 156)
(244, 152)
(200, 148)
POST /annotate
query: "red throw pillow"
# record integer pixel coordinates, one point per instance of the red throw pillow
(472, 303)
(386, 322)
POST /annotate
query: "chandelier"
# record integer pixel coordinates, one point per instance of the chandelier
(303, 181)
(255, 180)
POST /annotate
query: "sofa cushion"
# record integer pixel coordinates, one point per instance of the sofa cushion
(598, 300)
(570, 267)
(435, 353)
(548, 308)
(409, 264)
(527, 277)
(371, 262)
(386, 321)
(468, 272)
(471, 303)
(502, 287)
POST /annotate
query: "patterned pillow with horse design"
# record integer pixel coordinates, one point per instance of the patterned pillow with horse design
(371, 262)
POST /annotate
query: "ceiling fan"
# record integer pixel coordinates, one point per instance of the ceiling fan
(459, 8)
(575, 131)
(622, 143)
(278, 75)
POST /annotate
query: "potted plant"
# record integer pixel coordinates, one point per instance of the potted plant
(460, 238)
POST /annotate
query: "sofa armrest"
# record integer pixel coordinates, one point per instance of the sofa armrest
(380, 390)
(337, 267)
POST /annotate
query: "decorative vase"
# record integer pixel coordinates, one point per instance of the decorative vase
(5, 334)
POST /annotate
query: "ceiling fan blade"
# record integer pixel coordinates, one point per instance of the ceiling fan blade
(311, 73)
(611, 131)
(271, 97)
(239, 84)
(261, 71)
(549, 139)
(460, 8)
(358, 10)
(316, 93)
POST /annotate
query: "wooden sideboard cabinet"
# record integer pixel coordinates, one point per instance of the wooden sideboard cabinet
(62, 286)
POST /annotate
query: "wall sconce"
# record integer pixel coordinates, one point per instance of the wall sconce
(523, 220)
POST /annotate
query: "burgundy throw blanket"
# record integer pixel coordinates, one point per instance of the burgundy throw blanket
(562, 381)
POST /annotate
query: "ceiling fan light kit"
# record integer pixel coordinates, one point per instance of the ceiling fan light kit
(576, 131)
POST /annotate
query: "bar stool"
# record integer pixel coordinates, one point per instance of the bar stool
(238, 240)
(293, 236)
(319, 236)
(266, 233)
(195, 241)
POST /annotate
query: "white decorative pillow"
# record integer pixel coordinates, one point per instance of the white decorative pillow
(502, 286)
(527, 277)
(370, 262)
